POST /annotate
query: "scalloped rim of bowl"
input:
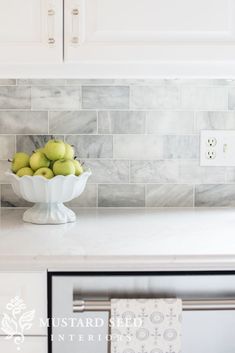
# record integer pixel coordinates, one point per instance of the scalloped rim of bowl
(33, 177)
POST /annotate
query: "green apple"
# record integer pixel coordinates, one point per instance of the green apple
(24, 171)
(38, 160)
(20, 160)
(78, 167)
(54, 149)
(69, 151)
(64, 167)
(45, 172)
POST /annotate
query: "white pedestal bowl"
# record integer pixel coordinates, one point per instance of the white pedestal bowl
(49, 196)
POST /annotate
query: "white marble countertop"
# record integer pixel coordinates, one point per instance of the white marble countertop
(121, 239)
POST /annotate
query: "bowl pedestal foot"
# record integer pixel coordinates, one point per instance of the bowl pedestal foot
(49, 213)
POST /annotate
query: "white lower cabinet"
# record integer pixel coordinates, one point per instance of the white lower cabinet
(23, 312)
(30, 345)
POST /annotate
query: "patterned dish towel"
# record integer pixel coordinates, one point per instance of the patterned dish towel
(146, 325)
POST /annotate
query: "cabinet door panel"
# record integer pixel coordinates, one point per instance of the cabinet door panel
(149, 31)
(31, 31)
(29, 287)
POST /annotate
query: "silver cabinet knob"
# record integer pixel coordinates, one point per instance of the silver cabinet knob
(51, 40)
(51, 12)
(75, 12)
(75, 40)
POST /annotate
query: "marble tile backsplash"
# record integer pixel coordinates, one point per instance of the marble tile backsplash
(140, 137)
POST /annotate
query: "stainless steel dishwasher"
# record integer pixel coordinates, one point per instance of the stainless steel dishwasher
(208, 297)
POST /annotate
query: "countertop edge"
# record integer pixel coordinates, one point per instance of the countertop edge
(124, 263)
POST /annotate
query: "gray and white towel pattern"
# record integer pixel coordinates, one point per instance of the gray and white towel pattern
(146, 325)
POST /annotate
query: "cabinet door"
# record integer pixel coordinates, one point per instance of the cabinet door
(30, 290)
(31, 31)
(129, 35)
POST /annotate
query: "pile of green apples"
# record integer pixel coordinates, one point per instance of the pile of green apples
(55, 158)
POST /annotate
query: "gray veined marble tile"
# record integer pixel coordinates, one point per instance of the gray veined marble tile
(56, 97)
(169, 195)
(121, 195)
(180, 147)
(91, 146)
(73, 122)
(215, 120)
(41, 82)
(7, 146)
(23, 122)
(7, 82)
(108, 171)
(215, 195)
(154, 171)
(138, 146)
(29, 143)
(105, 97)
(192, 173)
(121, 122)
(155, 97)
(167, 122)
(205, 98)
(10, 199)
(4, 167)
(14, 97)
(87, 199)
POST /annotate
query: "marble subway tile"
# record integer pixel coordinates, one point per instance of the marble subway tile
(138, 146)
(191, 172)
(169, 195)
(7, 146)
(41, 82)
(154, 171)
(121, 195)
(121, 122)
(56, 97)
(10, 199)
(205, 98)
(73, 122)
(215, 195)
(5, 166)
(214, 120)
(105, 97)
(7, 82)
(108, 171)
(166, 122)
(91, 146)
(23, 122)
(29, 143)
(14, 97)
(180, 147)
(154, 97)
(87, 199)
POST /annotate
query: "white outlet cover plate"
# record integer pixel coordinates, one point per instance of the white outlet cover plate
(224, 149)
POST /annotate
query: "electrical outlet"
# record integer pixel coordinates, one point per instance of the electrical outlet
(217, 148)
(211, 141)
(211, 154)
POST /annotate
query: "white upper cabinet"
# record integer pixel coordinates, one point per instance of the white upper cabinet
(31, 31)
(149, 32)
(107, 38)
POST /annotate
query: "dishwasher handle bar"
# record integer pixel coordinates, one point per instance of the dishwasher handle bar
(80, 306)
